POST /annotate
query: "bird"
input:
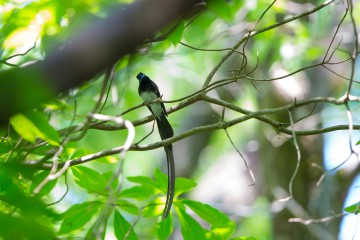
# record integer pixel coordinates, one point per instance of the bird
(149, 91)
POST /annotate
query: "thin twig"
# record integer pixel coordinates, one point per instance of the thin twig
(252, 176)
(298, 154)
(320, 220)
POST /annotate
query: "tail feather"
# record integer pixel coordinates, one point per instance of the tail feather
(171, 180)
(166, 131)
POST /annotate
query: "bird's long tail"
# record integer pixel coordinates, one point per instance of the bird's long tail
(171, 179)
(166, 131)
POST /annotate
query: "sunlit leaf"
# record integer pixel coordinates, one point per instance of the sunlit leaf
(108, 159)
(33, 124)
(244, 238)
(154, 208)
(55, 104)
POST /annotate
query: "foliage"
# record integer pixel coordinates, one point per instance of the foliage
(66, 172)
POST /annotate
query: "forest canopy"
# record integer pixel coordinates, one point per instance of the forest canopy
(261, 95)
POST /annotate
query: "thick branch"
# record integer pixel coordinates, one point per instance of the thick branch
(87, 54)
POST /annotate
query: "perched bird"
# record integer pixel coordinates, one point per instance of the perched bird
(149, 91)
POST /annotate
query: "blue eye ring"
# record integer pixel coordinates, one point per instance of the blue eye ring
(140, 76)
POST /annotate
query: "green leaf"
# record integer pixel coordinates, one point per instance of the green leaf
(122, 227)
(127, 206)
(223, 232)
(13, 197)
(161, 180)
(32, 124)
(92, 234)
(164, 228)
(99, 226)
(146, 182)
(4, 147)
(89, 179)
(137, 192)
(221, 226)
(208, 213)
(183, 185)
(15, 227)
(72, 150)
(108, 176)
(353, 208)
(108, 160)
(220, 8)
(200, 27)
(244, 238)
(78, 215)
(55, 104)
(38, 179)
(154, 208)
(190, 228)
(176, 35)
